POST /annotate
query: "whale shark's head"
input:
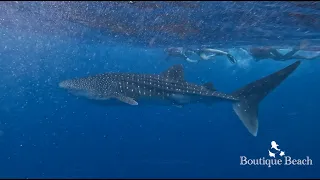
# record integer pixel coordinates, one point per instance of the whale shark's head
(89, 87)
(77, 87)
(74, 84)
(93, 87)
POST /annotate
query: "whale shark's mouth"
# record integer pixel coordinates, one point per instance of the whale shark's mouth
(79, 93)
(71, 84)
(65, 84)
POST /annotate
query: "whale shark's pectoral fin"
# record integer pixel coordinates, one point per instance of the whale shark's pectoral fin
(126, 99)
(179, 99)
(113, 93)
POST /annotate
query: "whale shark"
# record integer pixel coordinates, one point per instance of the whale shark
(170, 88)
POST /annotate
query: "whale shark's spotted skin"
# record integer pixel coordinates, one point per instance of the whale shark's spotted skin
(132, 88)
(152, 85)
(163, 86)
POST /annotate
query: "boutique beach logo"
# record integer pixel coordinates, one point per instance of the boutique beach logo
(277, 157)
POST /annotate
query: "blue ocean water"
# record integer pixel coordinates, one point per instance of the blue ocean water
(46, 132)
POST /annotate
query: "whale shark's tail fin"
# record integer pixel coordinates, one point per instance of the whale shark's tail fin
(252, 94)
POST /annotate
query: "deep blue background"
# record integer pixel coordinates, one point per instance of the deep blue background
(47, 133)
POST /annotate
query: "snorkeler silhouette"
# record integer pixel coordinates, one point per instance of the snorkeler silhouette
(202, 53)
(260, 53)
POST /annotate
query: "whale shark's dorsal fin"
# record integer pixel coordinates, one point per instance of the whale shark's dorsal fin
(209, 85)
(175, 72)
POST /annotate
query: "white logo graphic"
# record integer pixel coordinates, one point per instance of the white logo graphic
(276, 157)
(274, 146)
